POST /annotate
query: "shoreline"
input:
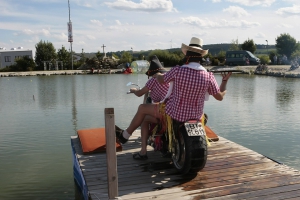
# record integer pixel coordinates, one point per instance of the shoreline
(273, 70)
(54, 72)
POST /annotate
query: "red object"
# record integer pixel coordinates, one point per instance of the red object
(94, 140)
(128, 70)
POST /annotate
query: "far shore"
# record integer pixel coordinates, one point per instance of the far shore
(273, 70)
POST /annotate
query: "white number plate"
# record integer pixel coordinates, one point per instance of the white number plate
(194, 129)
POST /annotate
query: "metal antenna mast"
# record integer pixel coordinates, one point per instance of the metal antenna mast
(70, 34)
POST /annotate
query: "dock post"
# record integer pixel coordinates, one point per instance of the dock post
(111, 158)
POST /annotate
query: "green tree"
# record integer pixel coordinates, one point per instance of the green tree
(115, 56)
(264, 59)
(141, 56)
(286, 44)
(64, 56)
(99, 55)
(249, 45)
(126, 57)
(92, 62)
(295, 54)
(221, 56)
(44, 51)
(234, 45)
(167, 58)
(272, 54)
(23, 63)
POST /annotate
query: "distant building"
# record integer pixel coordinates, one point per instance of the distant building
(7, 57)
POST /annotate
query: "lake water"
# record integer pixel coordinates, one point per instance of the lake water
(39, 114)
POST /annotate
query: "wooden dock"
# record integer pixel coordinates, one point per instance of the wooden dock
(231, 172)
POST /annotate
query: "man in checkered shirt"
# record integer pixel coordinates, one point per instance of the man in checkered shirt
(191, 85)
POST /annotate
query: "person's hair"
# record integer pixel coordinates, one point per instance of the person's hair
(193, 57)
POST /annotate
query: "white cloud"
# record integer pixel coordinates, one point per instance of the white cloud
(43, 32)
(118, 22)
(61, 37)
(206, 23)
(292, 1)
(284, 26)
(236, 11)
(81, 42)
(288, 11)
(195, 21)
(144, 5)
(167, 32)
(216, 1)
(160, 33)
(91, 37)
(260, 35)
(265, 3)
(28, 32)
(97, 22)
(152, 34)
(238, 24)
(117, 28)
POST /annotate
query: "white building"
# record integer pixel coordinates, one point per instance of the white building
(7, 57)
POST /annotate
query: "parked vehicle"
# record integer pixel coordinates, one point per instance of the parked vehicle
(187, 145)
(241, 58)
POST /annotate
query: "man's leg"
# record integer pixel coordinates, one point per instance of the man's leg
(145, 132)
(143, 110)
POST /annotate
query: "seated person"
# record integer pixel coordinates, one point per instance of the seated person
(191, 82)
(158, 93)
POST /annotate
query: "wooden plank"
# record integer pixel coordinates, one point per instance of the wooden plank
(231, 172)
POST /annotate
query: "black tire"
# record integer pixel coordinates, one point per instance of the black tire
(189, 152)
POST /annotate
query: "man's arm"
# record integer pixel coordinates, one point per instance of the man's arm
(220, 95)
(140, 92)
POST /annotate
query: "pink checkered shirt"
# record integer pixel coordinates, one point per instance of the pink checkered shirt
(158, 91)
(187, 99)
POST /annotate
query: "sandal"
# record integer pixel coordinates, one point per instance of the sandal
(138, 156)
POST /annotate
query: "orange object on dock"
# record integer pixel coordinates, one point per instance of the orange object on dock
(211, 134)
(94, 140)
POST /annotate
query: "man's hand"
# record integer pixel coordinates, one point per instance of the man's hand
(133, 90)
(225, 76)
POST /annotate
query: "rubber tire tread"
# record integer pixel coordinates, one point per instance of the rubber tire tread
(196, 153)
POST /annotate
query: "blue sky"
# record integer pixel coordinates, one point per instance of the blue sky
(145, 24)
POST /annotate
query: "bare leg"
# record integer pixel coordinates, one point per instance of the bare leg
(143, 110)
(145, 132)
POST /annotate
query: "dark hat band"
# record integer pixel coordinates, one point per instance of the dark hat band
(149, 71)
(195, 45)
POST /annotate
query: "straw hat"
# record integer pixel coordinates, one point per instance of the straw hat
(195, 45)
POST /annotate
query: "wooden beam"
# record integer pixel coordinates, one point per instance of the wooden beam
(111, 157)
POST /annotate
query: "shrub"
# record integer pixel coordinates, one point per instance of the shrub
(264, 59)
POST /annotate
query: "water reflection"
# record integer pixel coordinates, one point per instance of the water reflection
(47, 92)
(285, 91)
(242, 87)
(74, 110)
